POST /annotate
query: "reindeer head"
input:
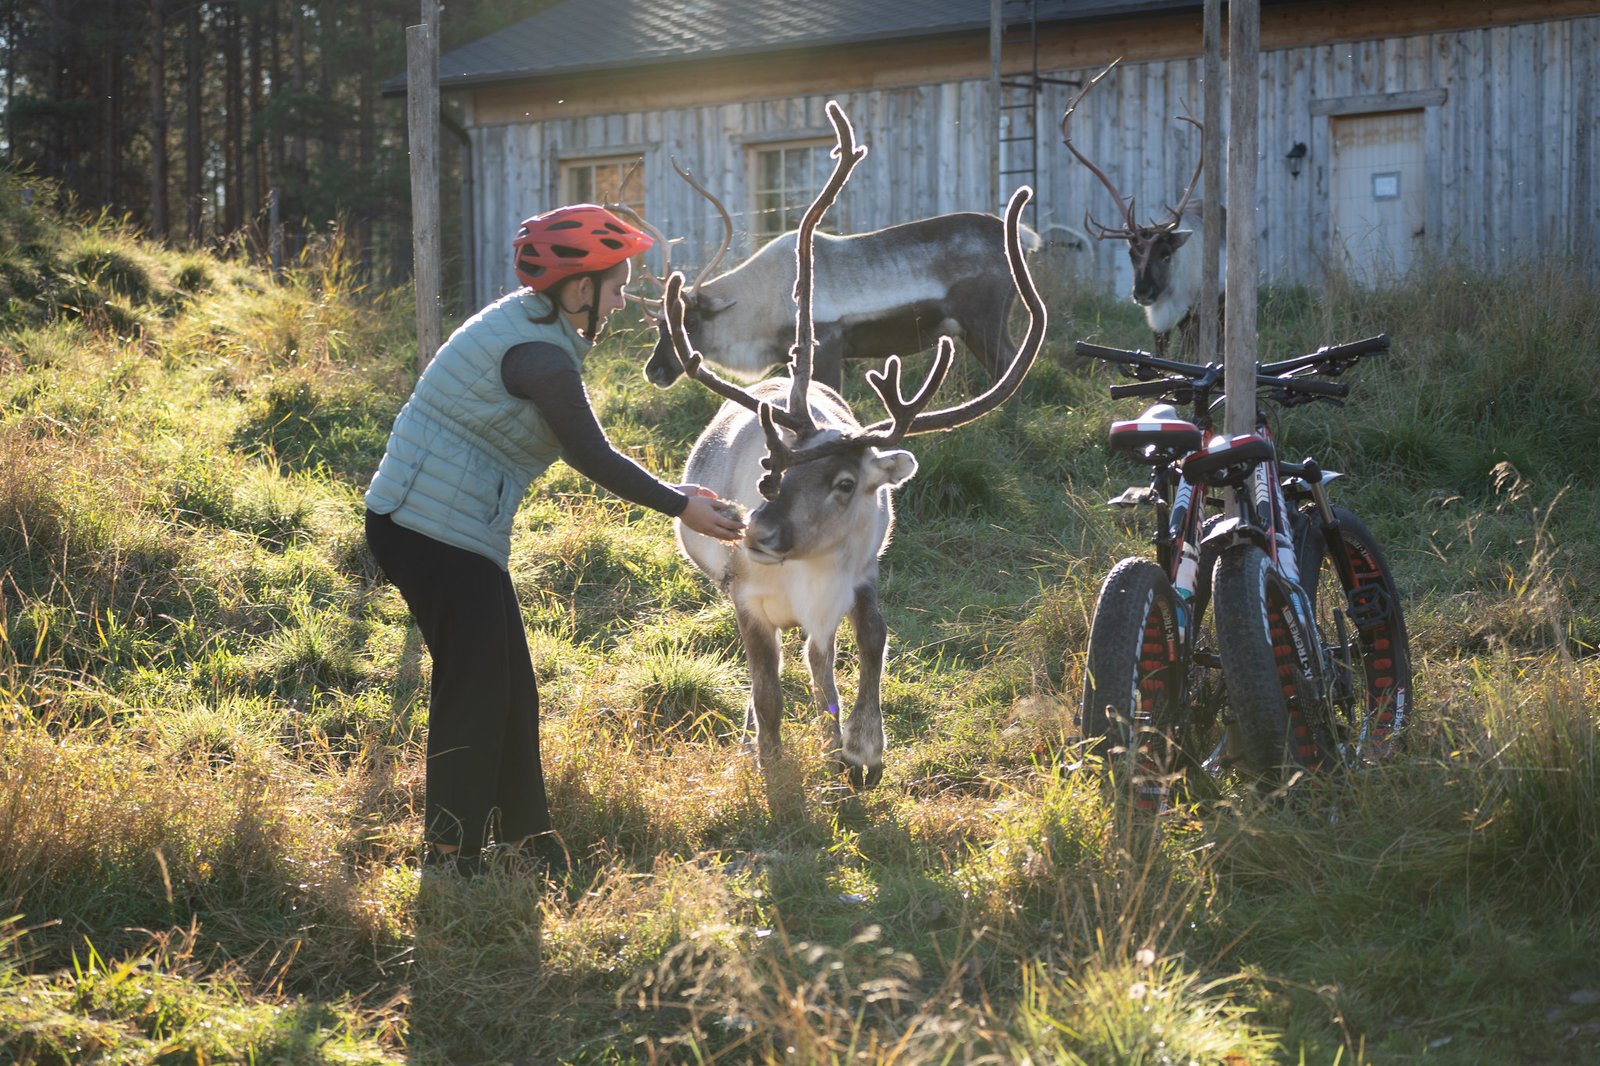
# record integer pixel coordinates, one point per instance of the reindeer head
(1150, 247)
(1150, 250)
(663, 369)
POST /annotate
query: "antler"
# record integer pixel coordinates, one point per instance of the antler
(1183, 202)
(1125, 206)
(655, 305)
(1022, 362)
(902, 416)
(905, 417)
(727, 223)
(694, 364)
(652, 304)
(847, 154)
(623, 211)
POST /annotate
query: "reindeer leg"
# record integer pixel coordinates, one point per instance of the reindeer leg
(995, 348)
(820, 655)
(763, 652)
(864, 738)
(827, 363)
(1188, 330)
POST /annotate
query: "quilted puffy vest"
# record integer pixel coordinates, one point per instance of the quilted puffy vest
(463, 450)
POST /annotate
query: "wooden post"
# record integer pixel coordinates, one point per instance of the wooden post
(422, 119)
(1211, 192)
(1244, 50)
(996, 31)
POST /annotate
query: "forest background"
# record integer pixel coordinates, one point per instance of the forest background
(184, 117)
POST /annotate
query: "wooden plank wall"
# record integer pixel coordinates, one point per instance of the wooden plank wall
(1513, 150)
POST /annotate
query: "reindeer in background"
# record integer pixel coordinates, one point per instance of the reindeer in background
(890, 290)
(818, 488)
(1167, 268)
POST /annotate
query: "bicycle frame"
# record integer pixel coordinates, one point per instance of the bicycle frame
(1271, 504)
(1259, 514)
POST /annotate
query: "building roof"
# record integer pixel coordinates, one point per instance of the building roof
(583, 36)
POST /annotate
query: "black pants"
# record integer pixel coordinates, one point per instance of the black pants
(483, 774)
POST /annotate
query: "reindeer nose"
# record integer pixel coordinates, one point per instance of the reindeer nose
(770, 538)
(773, 542)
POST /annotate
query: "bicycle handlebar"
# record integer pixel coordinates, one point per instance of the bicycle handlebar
(1308, 386)
(1331, 359)
(1331, 353)
(1137, 357)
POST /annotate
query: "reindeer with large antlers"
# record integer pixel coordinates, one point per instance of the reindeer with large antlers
(1166, 277)
(818, 487)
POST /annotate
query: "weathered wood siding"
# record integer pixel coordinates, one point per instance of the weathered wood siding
(1511, 123)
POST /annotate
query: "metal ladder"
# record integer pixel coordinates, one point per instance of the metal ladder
(1016, 155)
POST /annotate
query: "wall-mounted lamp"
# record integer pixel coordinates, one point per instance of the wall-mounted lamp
(1296, 156)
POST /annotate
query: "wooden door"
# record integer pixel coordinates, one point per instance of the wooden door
(1377, 192)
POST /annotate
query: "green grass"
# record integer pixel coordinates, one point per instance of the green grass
(213, 715)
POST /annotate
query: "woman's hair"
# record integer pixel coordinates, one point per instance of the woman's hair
(553, 293)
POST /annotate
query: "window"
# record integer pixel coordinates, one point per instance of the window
(784, 179)
(604, 181)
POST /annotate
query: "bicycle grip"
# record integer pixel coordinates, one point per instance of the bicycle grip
(1354, 349)
(1110, 355)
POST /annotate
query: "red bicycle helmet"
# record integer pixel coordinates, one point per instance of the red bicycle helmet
(580, 239)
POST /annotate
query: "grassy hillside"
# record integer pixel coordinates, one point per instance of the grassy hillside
(212, 708)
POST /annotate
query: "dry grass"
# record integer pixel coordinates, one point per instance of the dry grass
(211, 760)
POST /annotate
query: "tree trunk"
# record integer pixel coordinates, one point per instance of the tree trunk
(11, 74)
(366, 137)
(193, 132)
(160, 224)
(55, 84)
(108, 144)
(255, 159)
(275, 152)
(233, 131)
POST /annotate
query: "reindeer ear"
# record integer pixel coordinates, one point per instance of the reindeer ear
(1179, 236)
(891, 468)
(712, 305)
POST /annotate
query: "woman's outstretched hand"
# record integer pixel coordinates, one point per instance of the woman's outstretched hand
(709, 515)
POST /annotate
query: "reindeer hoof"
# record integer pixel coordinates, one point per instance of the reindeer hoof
(865, 777)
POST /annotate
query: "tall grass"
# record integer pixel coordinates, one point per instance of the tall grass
(213, 709)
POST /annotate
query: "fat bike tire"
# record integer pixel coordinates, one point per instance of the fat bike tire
(1364, 636)
(1271, 684)
(1133, 682)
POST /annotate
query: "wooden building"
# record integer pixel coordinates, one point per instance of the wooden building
(1389, 129)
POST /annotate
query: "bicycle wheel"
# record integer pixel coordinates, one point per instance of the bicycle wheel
(1268, 666)
(1133, 681)
(1364, 640)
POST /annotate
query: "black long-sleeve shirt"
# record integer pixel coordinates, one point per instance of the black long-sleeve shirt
(544, 375)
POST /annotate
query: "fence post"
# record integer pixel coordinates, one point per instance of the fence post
(422, 119)
(1216, 181)
(1244, 50)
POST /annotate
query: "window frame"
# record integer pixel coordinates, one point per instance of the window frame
(792, 199)
(569, 166)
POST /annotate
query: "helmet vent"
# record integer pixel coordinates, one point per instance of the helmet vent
(565, 223)
(566, 251)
